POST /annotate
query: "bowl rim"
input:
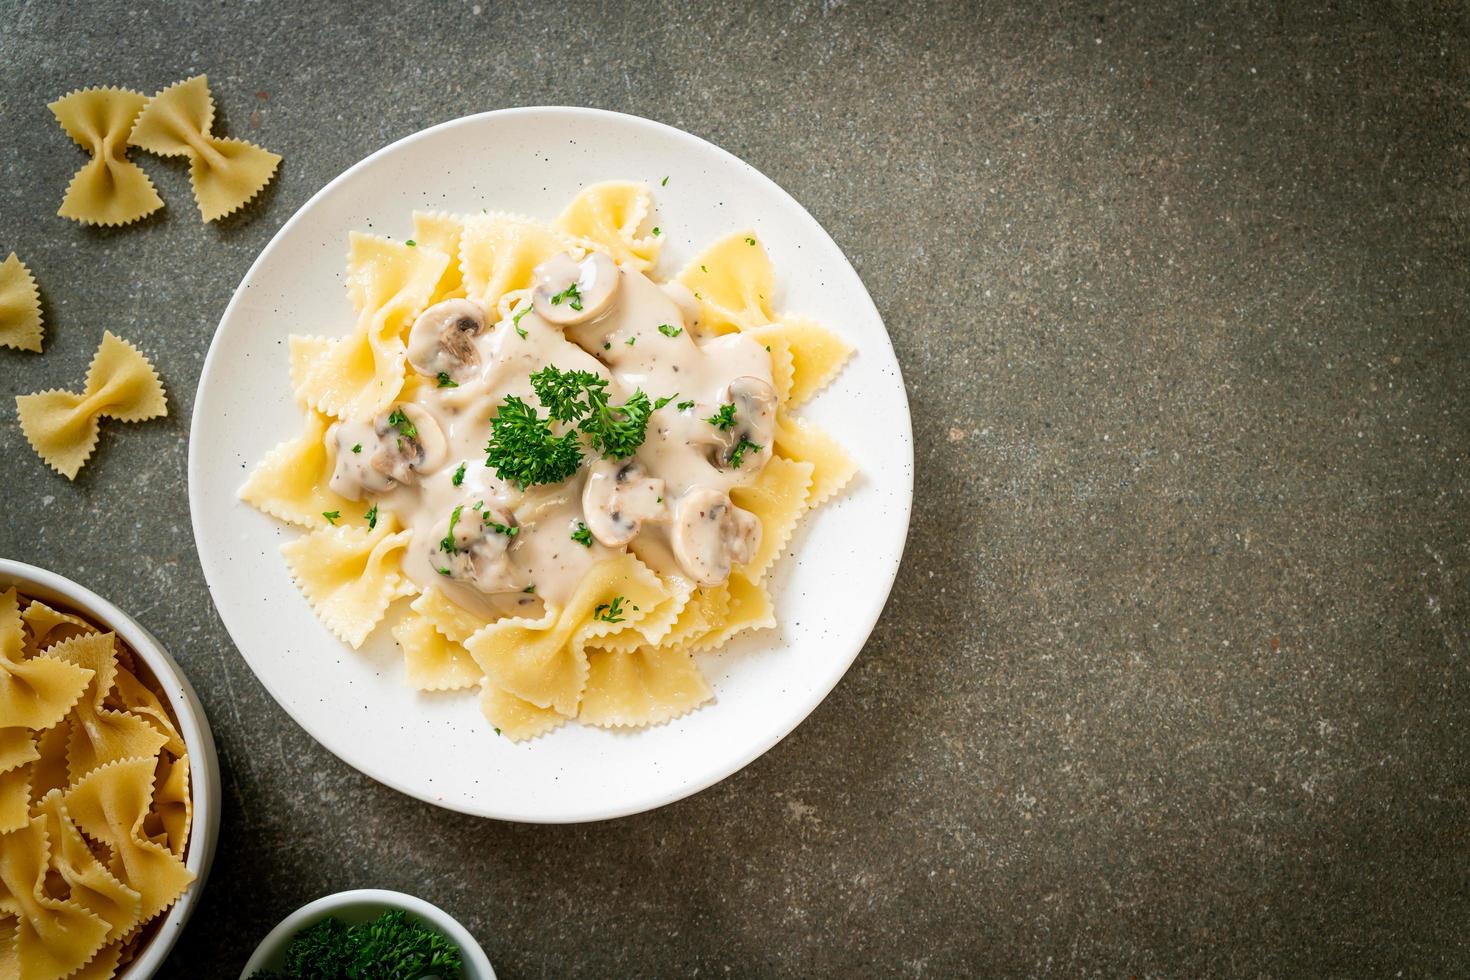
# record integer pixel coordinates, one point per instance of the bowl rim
(204, 782)
(320, 908)
(649, 801)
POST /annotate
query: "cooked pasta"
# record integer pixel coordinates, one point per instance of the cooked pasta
(644, 468)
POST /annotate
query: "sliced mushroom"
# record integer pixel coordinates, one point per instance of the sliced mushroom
(392, 449)
(618, 498)
(747, 444)
(478, 549)
(570, 292)
(442, 339)
(711, 535)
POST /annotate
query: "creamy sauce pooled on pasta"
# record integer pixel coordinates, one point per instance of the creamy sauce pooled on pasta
(513, 547)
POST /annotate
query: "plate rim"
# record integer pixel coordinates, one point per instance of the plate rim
(650, 800)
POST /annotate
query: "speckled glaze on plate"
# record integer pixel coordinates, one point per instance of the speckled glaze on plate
(829, 588)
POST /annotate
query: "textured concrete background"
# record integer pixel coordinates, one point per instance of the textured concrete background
(1174, 679)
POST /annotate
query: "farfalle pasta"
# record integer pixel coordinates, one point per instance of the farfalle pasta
(20, 306)
(226, 173)
(62, 426)
(95, 805)
(581, 477)
(110, 189)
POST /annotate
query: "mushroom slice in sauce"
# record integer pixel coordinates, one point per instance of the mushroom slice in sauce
(618, 498)
(711, 535)
(442, 339)
(479, 552)
(393, 448)
(747, 444)
(570, 292)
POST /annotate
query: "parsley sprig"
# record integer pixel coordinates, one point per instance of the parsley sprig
(524, 449)
(581, 397)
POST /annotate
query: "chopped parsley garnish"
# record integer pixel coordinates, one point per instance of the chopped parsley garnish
(389, 946)
(410, 243)
(530, 589)
(522, 332)
(610, 612)
(664, 182)
(357, 448)
(656, 231)
(631, 341)
(372, 516)
(570, 294)
(607, 346)
(664, 401)
(749, 240)
(507, 530)
(444, 571)
(403, 423)
(331, 516)
(724, 418)
(737, 455)
(523, 311)
(447, 544)
(704, 268)
(497, 731)
(458, 476)
(669, 330)
(582, 536)
(445, 381)
(685, 406)
(523, 448)
(478, 505)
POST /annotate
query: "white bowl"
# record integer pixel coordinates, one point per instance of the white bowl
(204, 781)
(360, 906)
(828, 589)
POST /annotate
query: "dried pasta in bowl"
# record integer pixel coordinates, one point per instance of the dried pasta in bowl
(96, 809)
(579, 476)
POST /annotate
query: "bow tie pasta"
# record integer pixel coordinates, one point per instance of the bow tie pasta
(581, 475)
(95, 803)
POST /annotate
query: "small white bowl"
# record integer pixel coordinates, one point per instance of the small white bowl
(362, 905)
(204, 780)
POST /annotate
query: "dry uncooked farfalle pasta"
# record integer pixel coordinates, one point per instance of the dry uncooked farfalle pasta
(95, 801)
(226, 173)
(20, 306)
(62, 426)
(110, 189)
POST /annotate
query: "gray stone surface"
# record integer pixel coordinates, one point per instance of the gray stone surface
(1174, 678)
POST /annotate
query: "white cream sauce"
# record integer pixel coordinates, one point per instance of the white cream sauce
(536, 558)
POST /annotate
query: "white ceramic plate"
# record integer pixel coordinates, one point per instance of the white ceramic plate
(828, 590)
